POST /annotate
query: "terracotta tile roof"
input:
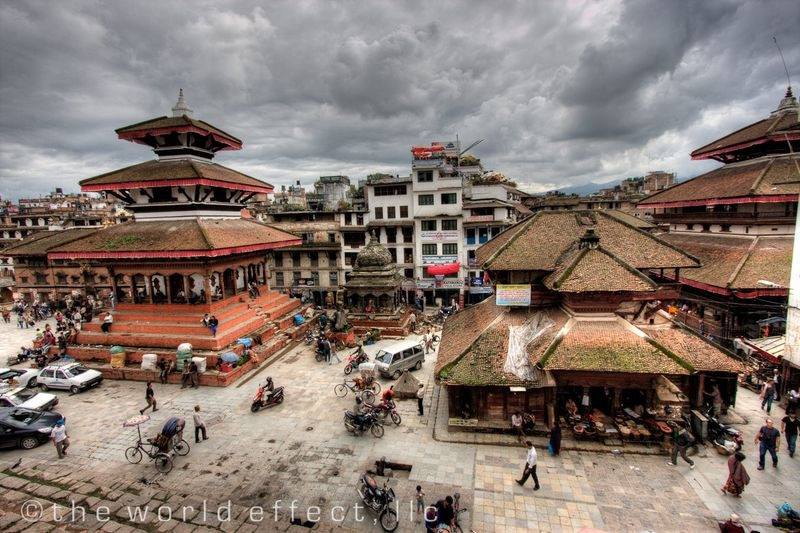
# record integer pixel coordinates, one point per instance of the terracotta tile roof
(759, 177)
(537, 242)
(43, 241)
(736, 262)
(762, 130)
(170, 170)
(168, 123)
(596, 270)
(703, 356)
(481, 361)
(462, 329)
(608, 346)
(630, 219)
(200, 235)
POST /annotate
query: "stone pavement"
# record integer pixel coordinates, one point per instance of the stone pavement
(299, 451)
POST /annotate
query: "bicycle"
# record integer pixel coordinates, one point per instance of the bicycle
(155, 449)
(367, 392)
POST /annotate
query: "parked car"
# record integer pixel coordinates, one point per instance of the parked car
(26, 377)
(392, 360)
(26, 428)
(71, 376)
(27, 398)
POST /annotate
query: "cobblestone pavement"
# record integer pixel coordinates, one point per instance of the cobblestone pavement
(299, 454)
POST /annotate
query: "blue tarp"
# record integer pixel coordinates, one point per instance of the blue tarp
(298, 319)
(247, 341)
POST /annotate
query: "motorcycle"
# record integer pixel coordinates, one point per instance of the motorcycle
(355, 359)
(267, 396)
(385, 409)
(309, 337)
(358, 424)
(320, 352)
(379, 500)
(725, 438)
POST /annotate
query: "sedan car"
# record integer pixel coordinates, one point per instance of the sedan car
(28, 398)
(26, 377)
(26, 428)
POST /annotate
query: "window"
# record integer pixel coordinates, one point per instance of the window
(41, 279)
(278, 259)
(378, 213)
(315, 278)
(471, 236)
(403, 211)
(429, 249)
(314, 259)
(391, 235)
(424, 176)
(295, 277)
(409, 255)
(450, 249)
(332, 237)
(428, 225)
(333, 277)
(296, 258)
(279, 279)
(308, 237)
(425, 199)
(450, 224)
(332, 256)
(483, 235)
(390, 190)
(61, 278)
(390, 212)
(449, 198)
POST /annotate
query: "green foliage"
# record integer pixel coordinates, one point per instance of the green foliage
(119, 242)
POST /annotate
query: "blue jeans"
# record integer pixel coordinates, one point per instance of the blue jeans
(768, 402)
(762, 451)
(791, 442)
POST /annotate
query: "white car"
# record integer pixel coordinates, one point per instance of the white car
(26, 377)
(28, 399)
(72, 376)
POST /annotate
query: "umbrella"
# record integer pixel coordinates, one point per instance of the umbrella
(229, 357)
(136, 420)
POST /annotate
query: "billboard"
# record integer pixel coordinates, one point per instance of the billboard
(513, 295)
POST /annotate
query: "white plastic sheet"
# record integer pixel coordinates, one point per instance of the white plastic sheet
(519, 337)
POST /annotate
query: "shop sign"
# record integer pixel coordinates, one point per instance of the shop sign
(439, 259)
(450, 284)
(425, 283)
(481, 218)
(304, 282)
(476, 282)
(514, 295)
(446, 235)
(480, 290)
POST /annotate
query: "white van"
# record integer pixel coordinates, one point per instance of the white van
(392, 360)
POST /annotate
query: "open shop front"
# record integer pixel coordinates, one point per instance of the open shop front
(625, 407)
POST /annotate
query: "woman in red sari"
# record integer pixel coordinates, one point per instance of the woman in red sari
(737, 475)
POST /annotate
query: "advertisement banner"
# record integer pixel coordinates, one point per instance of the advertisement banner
(513, 295)
(446, 235)
(439, 259)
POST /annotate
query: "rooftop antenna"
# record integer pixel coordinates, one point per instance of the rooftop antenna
(788, 81)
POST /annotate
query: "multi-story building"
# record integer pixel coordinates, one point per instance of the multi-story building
(391, 218)
(330, 193)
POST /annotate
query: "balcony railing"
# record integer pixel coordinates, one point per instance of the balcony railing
(724, 218)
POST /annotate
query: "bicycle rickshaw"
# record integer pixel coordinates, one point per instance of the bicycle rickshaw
(161, 448)
(364, 384)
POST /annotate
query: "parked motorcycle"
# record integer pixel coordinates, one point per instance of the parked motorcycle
(385, 409)
(358, 424)
(355, 359)
(379, 500)
(724, 437)
(320, 352)
(267, 396)
(309, 337)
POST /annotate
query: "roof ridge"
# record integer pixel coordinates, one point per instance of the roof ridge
(204, 233)
(522, 225)
(708, 145)
(742, 262)
(761, 175)
(636, 272)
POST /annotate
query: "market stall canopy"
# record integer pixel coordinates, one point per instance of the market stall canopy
(450, 268)
(669, 393)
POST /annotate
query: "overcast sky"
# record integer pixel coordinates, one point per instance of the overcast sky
(563, 92)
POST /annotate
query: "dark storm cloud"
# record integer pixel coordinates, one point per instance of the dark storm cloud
(562, 92)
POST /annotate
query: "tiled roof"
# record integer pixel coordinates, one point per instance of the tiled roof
(170, 170)
(463, 328)
(167, 123)
(41, 242)
(596, 270)
(201, 235)
(701, 355)
(736, 262)
(771, 127)
(630, 219)
(480, 361)
(608, 346)
(537, 242)
(759, 177)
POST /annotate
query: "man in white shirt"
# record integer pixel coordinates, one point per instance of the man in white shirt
(60, 438)
(420, 399)
(530, 467)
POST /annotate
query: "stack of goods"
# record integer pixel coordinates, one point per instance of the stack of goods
(183, 355)
(117, 356)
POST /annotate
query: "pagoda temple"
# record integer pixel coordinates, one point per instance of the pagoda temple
(189, 250)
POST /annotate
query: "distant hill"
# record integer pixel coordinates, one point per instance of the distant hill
(583, 190)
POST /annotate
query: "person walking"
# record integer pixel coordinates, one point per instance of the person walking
(331, 352)
(516, 425)
(737, 476)
(555, 439)
(420, 399)
(770, 438)
(162, 370)
(789, 428)
(60, 437)
(412, 322)
(768, 395)
(150, 396)
(185, 375)
(420, 497)
(682, 439)
(530, 467)
(199, 425)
